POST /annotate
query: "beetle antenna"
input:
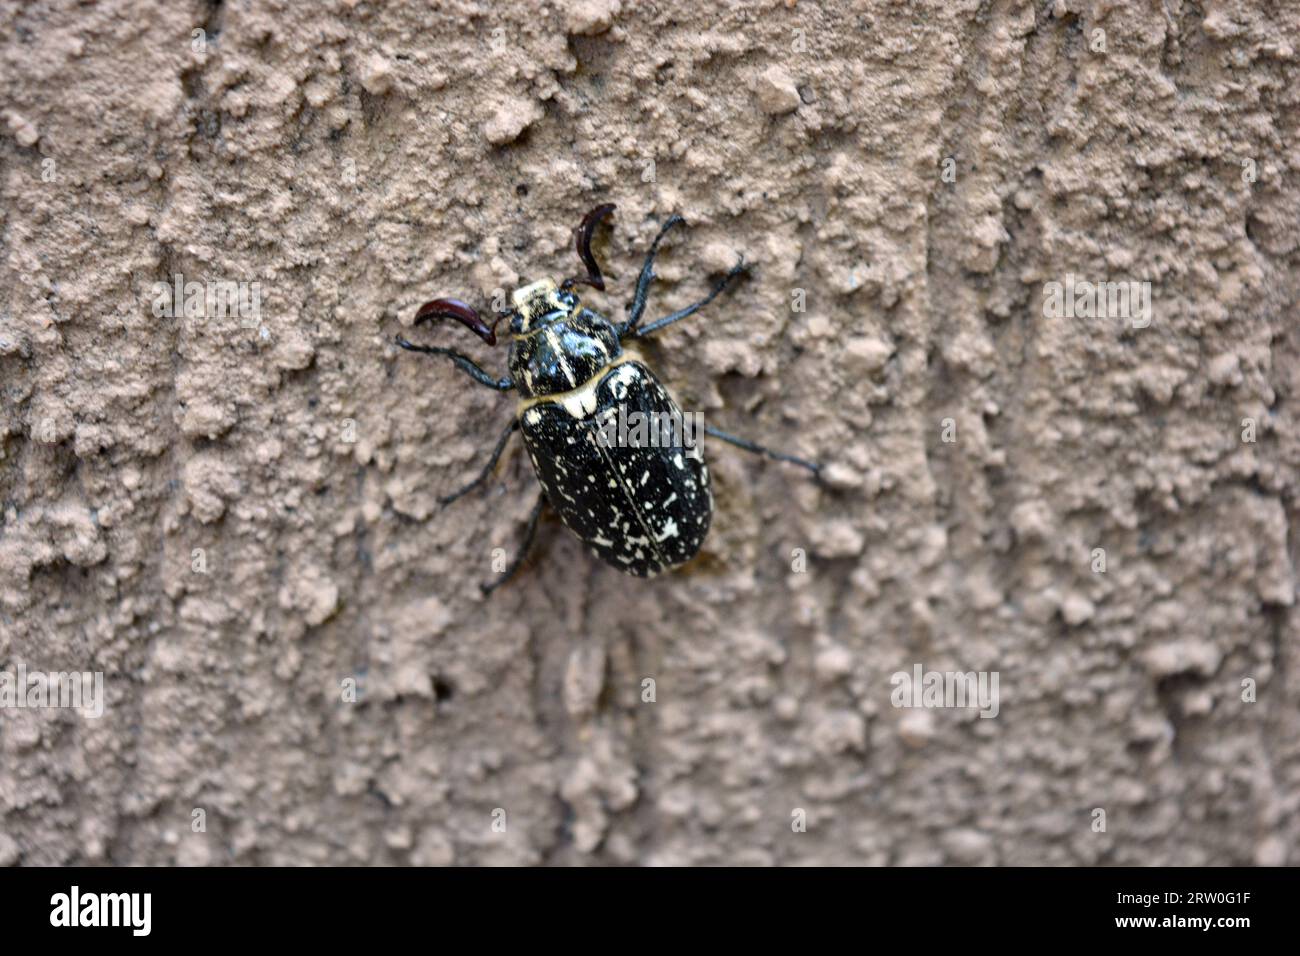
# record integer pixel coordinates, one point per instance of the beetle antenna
(582, 243)
(466, 315)
(496, 322)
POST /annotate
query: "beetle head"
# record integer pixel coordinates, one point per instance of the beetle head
(539, 304)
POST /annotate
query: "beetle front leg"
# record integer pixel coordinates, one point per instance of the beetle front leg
(760, 450)
(643, 281)
(463, 362)
(487, 469)
(738, 269)
(530, 534)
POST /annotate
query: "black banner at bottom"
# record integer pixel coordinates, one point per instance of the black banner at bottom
(342, 906)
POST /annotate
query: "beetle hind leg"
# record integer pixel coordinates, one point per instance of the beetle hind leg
(758, 449)
(530, 535)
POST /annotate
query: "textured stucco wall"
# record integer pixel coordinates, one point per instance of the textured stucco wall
(356, 158)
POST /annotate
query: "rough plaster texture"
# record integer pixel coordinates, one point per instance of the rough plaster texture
(356, 158)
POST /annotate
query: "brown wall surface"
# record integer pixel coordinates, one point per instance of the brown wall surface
(231, 519)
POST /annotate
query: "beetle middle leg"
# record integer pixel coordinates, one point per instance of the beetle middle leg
(530, 535)
(760, 450)
(487, 469)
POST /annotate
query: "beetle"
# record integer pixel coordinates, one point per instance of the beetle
(642, 507)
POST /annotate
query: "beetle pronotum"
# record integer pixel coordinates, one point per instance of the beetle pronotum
(642, 509)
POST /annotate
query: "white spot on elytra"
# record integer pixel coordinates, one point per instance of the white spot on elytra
(670, 531)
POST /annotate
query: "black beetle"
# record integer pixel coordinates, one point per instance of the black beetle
(642, 507)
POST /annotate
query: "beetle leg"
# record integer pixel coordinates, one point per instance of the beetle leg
(739, 269)
(487, 469)
(530, 534)
(463, 362)
(760, 450)
(643, 280)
